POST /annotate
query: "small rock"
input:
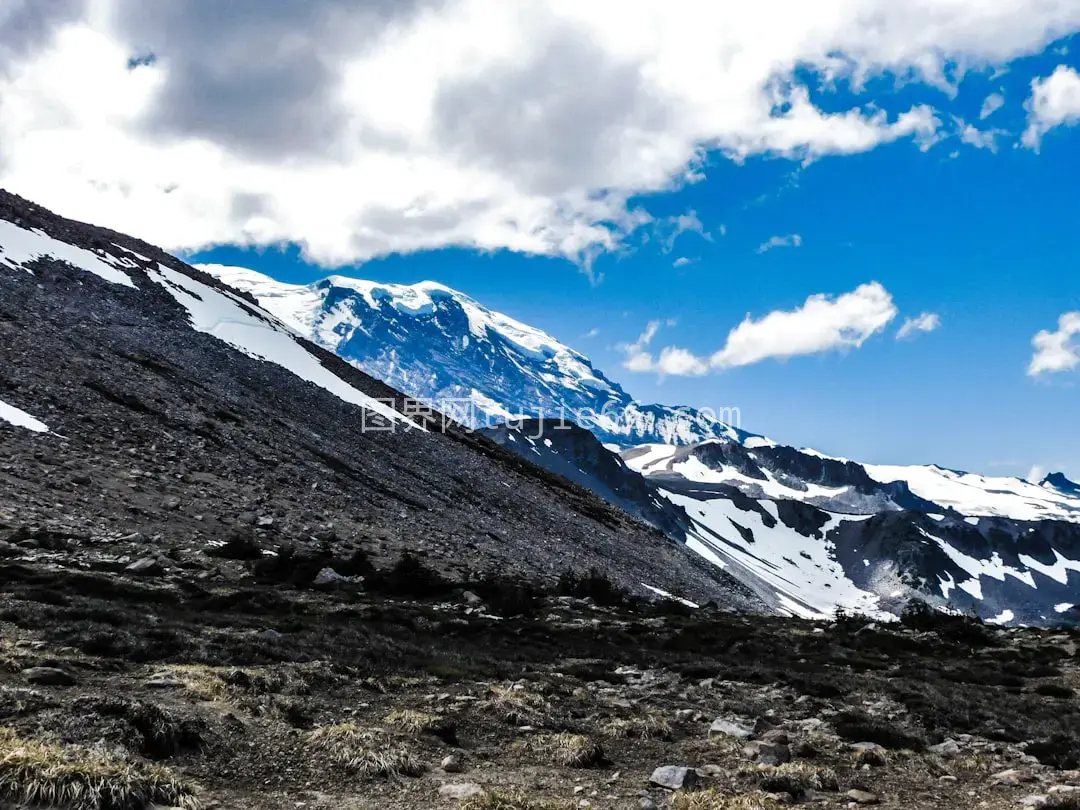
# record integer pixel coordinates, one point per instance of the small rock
(723, 727)
(163, 680)
(147, 567)
(862, 797)
(767, 753)
(947, 749)
(328, 576)
(471, 598)
(264, 521)
(645, 803)
(1011, 777)
(1035, 801)
(460, 790)
(451, 764)
(247, 517)
(269, 634)
(674, 777)
(48, 676)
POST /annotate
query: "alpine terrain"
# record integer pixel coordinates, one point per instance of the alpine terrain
(807, 532)
(237, 572)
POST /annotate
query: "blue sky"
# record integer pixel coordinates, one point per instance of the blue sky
(985, 239)
(556, 160)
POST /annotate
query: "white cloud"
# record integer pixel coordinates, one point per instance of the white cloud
(791, 240)
(821, 324)
(682, 261)
(362, 129)
(926, 322)
(979, 138)
(1055, 101)
(1036, 474)
(671, 361)
(669, 229)
(992, 103)
(592, 332)
(1058, 351)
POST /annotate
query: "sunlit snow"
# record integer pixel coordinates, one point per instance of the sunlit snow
(20, 418)
(238, 323)
(19, 246)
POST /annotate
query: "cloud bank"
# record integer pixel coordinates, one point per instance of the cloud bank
(358, 129)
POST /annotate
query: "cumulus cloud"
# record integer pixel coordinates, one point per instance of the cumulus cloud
(672, 360)
(991, 104)
(1054, 101)
(1057, 351)
(791, 240)
(358, 129)
(926, 322)
(682, 261)
(822, 324)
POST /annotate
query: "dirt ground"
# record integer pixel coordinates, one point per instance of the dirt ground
(241, 683)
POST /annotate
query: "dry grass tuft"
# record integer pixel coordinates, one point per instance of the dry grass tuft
(510, 801)
(363, 752)
(38, 773)
(713, 799)
(518, 704)
(792, 777)
(569, 750)
(415, 723)
(647, 727)
(202, 681)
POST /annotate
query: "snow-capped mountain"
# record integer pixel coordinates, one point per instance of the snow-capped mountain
(805, 531)
(478, 366)
(809, 561)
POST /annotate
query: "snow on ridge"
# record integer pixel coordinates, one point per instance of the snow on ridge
(978, 495)
(20, 418)
(262, 336)
(18, 246)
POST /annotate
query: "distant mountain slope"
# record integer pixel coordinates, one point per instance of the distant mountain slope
(438, 344)
(808, 561)
(144, 398)
(806, 532)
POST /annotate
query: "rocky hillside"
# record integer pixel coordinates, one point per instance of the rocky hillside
(144, 398)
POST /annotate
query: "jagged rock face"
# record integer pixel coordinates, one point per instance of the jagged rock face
(177, 409)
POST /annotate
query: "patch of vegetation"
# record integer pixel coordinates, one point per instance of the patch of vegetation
(795, 778)
(569, 750)
(38, 773)
(416, 723)
(646, 727)
(364, 752)
(518, 704)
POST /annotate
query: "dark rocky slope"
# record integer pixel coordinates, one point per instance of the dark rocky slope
(168, 433)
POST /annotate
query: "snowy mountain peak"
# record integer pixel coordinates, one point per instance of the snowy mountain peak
(476, 364)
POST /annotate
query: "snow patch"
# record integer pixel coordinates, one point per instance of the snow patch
(18, 246)
(260, 335)
(20, 418)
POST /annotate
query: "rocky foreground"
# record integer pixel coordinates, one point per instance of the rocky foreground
(236, 677)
